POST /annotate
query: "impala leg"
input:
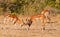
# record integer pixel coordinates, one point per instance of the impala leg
(43, 24)
(6, 19)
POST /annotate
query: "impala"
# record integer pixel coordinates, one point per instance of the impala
(35, 18)
(11, 18)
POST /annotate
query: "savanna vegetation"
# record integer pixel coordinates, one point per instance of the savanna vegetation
(27, 7)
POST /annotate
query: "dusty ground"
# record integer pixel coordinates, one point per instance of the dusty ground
(52, 29)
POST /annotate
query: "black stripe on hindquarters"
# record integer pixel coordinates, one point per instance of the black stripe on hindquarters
(15, 20)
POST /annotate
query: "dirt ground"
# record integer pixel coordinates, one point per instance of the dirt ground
(52, 29)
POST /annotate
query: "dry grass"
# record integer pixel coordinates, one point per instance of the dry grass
(52, 29)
